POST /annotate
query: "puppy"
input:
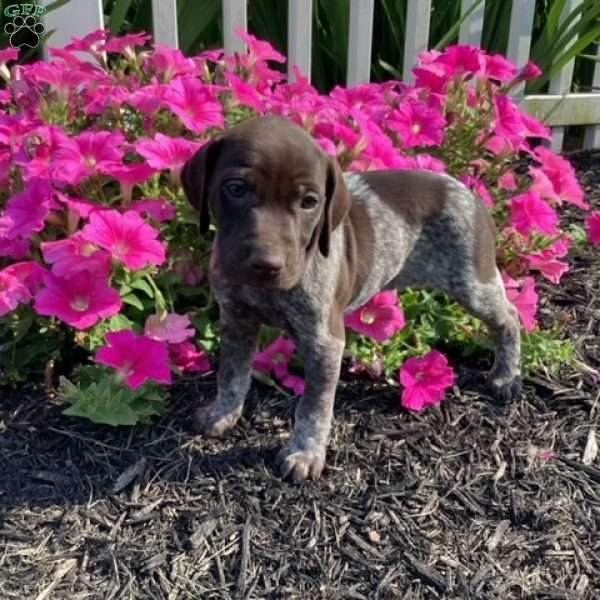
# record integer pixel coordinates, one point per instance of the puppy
(299, 244)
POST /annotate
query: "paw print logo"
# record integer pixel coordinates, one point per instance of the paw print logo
(24, 31)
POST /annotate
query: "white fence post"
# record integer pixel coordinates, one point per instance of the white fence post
(235, 16)
(519, 36)
(591, 138)
(299, 36)
(418, 17)
(561, 83)
(359, 42)
(74, 19)
(164, 22)
(472, 27)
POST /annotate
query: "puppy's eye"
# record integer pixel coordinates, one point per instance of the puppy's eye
(309, 202)
(236, 188)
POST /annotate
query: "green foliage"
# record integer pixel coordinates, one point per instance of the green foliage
(433, 320)
(561, 40)
(99, 397)
(29, 343)
(547, 350)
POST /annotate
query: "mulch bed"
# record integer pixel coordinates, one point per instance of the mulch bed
(466, 501)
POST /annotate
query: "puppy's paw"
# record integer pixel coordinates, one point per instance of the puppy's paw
(214, 421)
(505, 390)
(300, 464)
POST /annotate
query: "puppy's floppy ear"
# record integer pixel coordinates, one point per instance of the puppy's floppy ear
(195, 178)
(337, 204)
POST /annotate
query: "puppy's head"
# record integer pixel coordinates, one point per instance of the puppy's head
(275, 195)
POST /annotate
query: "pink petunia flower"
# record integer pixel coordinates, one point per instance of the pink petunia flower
(101, 97)
(534, 128)
(16, 249)
(195, 104)
(129, 176)
(93, 42)
(244, 93)
(187, 358)
(30, 273)
(542, 185)
(593, 228)
(172, 328)
(426, 162)
(185, 267)
(547, 455)
(529, 71)
(433, 77)
(425, 380)
(137, 358)
(89, 153)
(562, 176)
(418, 125)
(76, 254)
(496, 67)
(259, 49)
(275, 357)
(64, 83)
(164, 152)
(295, 383)
(498, 145)
(160, 209)
(126, 44)
(475, 184)
(37, 150)
(507, 181)
(148, 99)
(80, 300)
(547, 263)
(12, 293)
(508, 123)
(529, 212)
(525, 299)
(380, 318)
(77, 209)
(170, 62)
(461, 59)
(26, 212)
(127, 237)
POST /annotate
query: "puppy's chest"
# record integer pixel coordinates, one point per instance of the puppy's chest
(286, 309)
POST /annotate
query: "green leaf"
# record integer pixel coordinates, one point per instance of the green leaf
(591, 57)
(118, 14)
(133, 300)
(142, 285)
(101, 399)
(447, 39)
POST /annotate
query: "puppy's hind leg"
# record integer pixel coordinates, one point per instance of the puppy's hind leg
(488, 302)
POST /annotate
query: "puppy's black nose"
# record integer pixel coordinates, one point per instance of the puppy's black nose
(269, 264)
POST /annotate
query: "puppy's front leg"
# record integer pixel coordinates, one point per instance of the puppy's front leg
(239, 337)
(304, 456)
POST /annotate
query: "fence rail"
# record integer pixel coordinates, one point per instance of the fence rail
(559, 108)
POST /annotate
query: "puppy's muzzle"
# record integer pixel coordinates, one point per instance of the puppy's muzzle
(266, 265)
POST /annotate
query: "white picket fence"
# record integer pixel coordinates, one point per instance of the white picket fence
(558, 109)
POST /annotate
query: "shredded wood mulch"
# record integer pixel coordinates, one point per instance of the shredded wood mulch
(466, 501)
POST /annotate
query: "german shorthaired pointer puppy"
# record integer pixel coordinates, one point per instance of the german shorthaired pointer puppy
(299, 243)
